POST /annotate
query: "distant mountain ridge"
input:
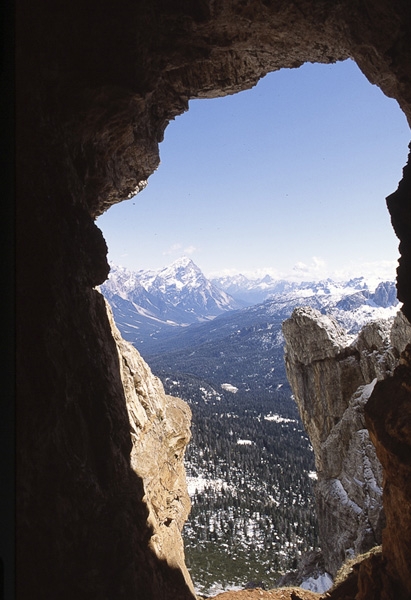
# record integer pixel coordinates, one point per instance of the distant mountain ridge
(256, 291)
(252, 291)
(177, 305)
(245, 347)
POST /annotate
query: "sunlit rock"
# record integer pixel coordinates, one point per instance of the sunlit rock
(160, 432)
(332, 377)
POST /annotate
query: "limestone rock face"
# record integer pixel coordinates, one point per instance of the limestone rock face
(322, 371)
(332, 377)
(400, 334)
(160, 432)
(349, 488)
(378, 352)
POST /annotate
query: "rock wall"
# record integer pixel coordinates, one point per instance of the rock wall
(388, 418)
(160, 432)
(333, 377)
(96, 84)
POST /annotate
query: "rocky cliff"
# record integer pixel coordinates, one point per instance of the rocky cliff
(332, 377)
(160, 432)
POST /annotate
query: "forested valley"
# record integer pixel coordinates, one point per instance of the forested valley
(250, 471)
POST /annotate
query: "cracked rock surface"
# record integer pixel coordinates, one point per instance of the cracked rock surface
(333, 377)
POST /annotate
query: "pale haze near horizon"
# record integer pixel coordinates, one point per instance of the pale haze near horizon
(288, 178)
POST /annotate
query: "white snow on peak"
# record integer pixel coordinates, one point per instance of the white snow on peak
(176, 290)
(183, 261)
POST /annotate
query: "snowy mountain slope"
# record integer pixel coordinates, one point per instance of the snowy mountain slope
(255, 291)
(185, 286)
(177, 306)
(149, 304)
(262, 323)
(352, 303)
(252, 291)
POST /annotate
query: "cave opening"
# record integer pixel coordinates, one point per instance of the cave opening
(96, 86)
(182, 224)
(291, 167)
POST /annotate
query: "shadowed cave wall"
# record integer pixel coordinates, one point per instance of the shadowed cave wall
(97, 83)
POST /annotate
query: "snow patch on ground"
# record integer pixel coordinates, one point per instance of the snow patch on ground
(198, 484)
(229, 388)
(217, 588)
(278, 419)
(339, 495)
(319, 584)
(368, 389)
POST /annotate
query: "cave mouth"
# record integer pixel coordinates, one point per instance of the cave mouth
(282, 176)
(148, 205)
(96, 88)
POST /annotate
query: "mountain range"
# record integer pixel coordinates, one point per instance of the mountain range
(177, 306)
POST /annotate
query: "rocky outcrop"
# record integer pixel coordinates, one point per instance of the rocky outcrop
(96, 85)
(332, 377)
(160, 432)
(349, 487)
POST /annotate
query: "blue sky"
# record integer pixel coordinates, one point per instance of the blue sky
(288, 178)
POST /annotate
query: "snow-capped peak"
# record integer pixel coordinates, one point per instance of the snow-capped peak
(177, 294)
(184, 262)
(182, 272)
